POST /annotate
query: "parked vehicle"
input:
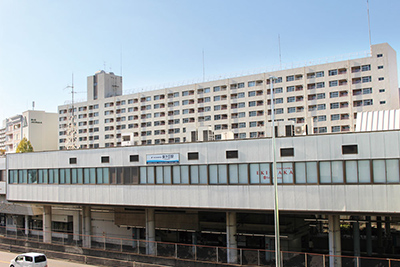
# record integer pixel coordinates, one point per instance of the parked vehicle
(29, 260)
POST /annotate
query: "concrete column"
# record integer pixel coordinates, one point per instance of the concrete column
(47, 224)
(87, 227)
(356, 237)
(76, 225)
(369, 236)
(231, 241)
(150, 232)
(26, 225)
(334, 241)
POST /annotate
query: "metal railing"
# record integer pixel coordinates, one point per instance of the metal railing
(202, 253)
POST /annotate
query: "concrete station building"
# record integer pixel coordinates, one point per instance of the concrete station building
(220, 193)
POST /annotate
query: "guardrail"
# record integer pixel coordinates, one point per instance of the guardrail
(201, 253)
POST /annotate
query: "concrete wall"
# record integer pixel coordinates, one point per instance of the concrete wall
(292, 197)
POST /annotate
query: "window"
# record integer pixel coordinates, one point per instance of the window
(290, 78)
(319, 74)
(382, 102)
(379, 55)
(321, 107)
(72, 160)
(335, 129)
(365, 67)
(252, 103)
(232, 154)
(332, 72)
(105, 159)
(321, 96)
(278, 90)
(278, 100)
(333, 83)
(291, 99)
(366, 91)
(287, 152)
(380, 67)
(334, 105)
(349, 149)
(321, 85)
(242, 125)
(333, 94)
(381, 90)
(368, 102)
(381, 78)
(251, 84)
(319, 118)
(193, 155)
(252, 93)
(133, 158)
(335, 117)
(290, 89)
(291, 110)
(366, 79)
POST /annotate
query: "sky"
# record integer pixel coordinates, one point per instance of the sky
(164, 42)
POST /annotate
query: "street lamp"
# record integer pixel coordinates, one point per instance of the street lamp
(275, 179)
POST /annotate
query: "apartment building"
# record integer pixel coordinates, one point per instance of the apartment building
(39, 127)
(315, 99)
(11, 133)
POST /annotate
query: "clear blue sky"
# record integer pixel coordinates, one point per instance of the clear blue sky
(161, 41)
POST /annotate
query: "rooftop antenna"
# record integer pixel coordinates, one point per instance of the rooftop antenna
(120, 60)
(33, 105)
(280, 58)
(369, 27)
(204, 70)
(71, 130)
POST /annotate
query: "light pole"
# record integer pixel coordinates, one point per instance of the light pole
(275, 179)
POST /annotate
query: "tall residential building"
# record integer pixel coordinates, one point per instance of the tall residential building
(39, 127)
(315, 99)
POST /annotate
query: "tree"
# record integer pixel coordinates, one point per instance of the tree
(24, 146)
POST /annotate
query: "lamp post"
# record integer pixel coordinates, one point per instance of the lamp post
(275, 179)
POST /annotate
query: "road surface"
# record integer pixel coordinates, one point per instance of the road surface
(5, 258)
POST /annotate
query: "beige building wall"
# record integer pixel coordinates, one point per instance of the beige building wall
(321, 98)
(41, 129)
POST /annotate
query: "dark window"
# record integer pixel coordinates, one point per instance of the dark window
(193, 155)
(72, 160)
(287, 152)
(232, 154)
(380, 55)
(289, 130)
(134, 158)
(105, 159)
(349, 149)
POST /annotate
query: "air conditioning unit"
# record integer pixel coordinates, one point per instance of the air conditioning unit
(300, 129)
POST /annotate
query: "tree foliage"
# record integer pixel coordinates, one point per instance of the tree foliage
(24, 146)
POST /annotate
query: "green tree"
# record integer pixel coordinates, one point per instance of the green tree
(24, 146)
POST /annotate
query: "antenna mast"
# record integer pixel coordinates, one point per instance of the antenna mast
(72, 133)
(369, 26)
(280, 58)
